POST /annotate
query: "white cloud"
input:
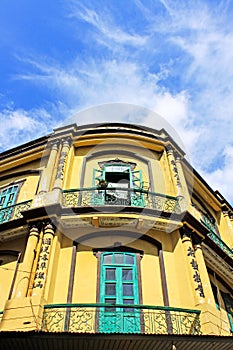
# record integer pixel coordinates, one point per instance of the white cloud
(85, 84)
(189, 40)
(109, 32)
(221, 178)
(20, 126)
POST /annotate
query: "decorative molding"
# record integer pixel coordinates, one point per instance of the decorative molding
(116, 161)
(169, 149)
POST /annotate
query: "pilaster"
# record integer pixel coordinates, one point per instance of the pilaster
(183, 191)
(172, 166)
(193, 267)
(47, 173)
(26, 267)
(43, 262)
(61, 165)
(209, 297)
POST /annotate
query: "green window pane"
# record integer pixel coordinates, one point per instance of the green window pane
(110, 301)
(119, 258)
(2, 200)
(108, 259)
(110, 308)
(129, 259)
(110, 289)
(127, 275)
(128, 302)
(11, 196)
(110, 274)
(128, 289)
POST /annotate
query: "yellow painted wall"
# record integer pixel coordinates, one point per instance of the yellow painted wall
(150, 272)
(29, 181)
(168, 177)
(73, 172)
(226, 229)
(85, 278)
(6, 278)
(7, 270)
(62, 272)
(178, 274)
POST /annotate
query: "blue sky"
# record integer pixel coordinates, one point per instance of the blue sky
(174, 57)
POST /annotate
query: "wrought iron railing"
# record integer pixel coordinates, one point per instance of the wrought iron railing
(108, 318)
(14, 211)
(210, 224)
(221, 244)
(86, 197)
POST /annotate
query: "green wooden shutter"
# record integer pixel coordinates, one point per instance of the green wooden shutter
(119, 285)
(98, 196)
(7, 199)
(136, 179)
(137, 198)
(98, 174)
(134, 198)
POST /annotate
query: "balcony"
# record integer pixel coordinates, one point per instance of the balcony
(14, 212)
(94, 197)
(214, 237)
(130, 319)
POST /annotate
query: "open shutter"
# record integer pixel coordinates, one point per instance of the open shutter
(137, 198)
(98, 174)
(98, 195)
(136, 178)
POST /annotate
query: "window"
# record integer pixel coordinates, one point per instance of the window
(223, 299)
(119, 286)
(228, 301)
(7, 199)
(118, 184)
(215, 292)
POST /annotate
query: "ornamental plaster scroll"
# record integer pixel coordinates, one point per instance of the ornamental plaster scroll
(116, 161)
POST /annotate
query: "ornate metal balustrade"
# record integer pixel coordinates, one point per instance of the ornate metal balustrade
(89, 197)
(211, 227)
(108, 318)
(221, 244)
(14, 211)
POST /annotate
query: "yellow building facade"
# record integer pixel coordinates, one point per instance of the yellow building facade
(108, 237)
